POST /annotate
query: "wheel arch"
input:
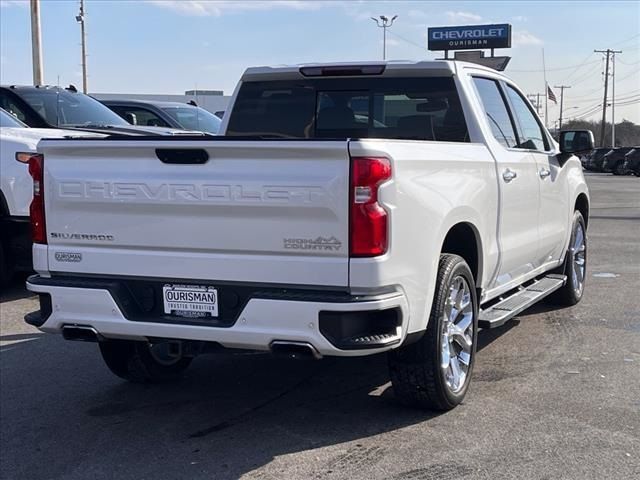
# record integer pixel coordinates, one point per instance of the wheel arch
(582, 205)
(4, 207)
(463, 239)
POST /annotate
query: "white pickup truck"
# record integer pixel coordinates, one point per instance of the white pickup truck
(346, 210)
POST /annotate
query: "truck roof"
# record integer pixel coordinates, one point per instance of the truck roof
(387, 68)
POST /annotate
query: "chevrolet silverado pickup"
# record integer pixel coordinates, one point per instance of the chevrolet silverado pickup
(345, 210)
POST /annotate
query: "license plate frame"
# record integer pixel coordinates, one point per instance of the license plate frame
(193, 301)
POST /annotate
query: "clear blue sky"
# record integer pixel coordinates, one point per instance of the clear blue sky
(172, 46)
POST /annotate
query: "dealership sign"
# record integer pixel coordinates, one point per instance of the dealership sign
(469, 37)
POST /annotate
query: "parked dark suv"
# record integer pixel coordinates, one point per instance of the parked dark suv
(613, 161)
(593, 161)
(632, 161)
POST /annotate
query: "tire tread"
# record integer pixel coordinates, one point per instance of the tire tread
(414, 373)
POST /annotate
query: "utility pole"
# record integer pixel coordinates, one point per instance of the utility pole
(561, 87)
(36, 43)
(535, 99)
(608, 52)
(383, 22)
(80, 20)
(613, 100)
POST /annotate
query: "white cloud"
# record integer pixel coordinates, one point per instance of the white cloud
(520, 18)
(14, 3)
(460, 16)
(205, 8)
(523, 38)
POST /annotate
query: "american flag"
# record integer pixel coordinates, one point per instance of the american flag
(551, 96)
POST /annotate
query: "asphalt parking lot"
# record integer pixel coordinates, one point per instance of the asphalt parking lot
(555, 395)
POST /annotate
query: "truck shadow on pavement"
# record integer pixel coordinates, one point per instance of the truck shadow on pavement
(64, 415)
(15, 290)
(230, 415)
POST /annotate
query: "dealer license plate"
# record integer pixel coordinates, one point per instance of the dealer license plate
(190, 300)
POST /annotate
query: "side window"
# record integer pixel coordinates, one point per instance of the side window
(496, 110)
(140, 116)
(9, 105)
(531, 135)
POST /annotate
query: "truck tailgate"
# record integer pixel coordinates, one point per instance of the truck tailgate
(257, 211)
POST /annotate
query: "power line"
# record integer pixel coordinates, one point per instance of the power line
(627, 40)
(585, 76)
(556, 69)
(618, 98)
(635, 72)
(578, 67)
(629, 64)
(421, 47)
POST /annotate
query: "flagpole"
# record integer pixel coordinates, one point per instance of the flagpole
(546, 93)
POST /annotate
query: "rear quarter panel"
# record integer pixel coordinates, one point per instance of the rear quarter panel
(435, 185)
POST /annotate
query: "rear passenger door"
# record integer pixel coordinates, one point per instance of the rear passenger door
(554, 212)
(518, 184)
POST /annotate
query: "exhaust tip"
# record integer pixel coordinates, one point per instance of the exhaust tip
(80, 333)
(292, 349)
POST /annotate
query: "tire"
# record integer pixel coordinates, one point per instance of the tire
(416, 373)
(575, 266)
(137, 363)
(618, 169)
(6, 272)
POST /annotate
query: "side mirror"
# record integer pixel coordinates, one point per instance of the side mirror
(576, 141)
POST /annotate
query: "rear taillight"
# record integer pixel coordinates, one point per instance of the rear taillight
(368, 222)
(36, 210)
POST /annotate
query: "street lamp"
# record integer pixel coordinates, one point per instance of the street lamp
(383, 22)
(80, 20)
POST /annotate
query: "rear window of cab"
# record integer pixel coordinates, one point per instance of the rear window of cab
(364, 107)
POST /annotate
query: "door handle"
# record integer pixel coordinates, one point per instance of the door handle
(509, 175)
(544, 173)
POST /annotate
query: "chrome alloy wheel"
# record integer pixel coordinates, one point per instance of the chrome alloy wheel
(578, 253)
(456, 339)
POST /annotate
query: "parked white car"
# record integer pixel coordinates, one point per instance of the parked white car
(16, 189)
(347, 210)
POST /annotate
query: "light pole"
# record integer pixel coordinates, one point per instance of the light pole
(384, 22)
(80, 20)
(36, 43)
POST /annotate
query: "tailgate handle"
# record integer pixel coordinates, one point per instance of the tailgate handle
(182, 156)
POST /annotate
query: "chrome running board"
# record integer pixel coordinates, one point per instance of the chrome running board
(506, 308)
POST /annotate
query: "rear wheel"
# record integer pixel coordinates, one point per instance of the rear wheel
(575, 266)
(435, 371)
(618, 169)
(143, 362)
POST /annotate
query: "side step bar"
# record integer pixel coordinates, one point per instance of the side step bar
(496, 315)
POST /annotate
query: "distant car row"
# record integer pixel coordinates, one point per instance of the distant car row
(619, 161)
(57, 107)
